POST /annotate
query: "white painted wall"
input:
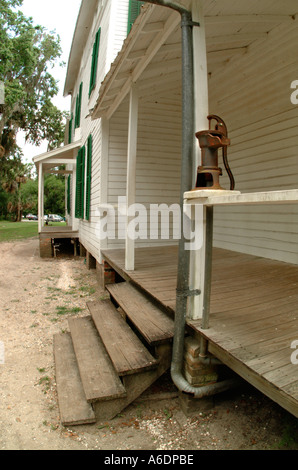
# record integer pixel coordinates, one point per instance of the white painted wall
(252, 95)
(158, 158)
(112, 18)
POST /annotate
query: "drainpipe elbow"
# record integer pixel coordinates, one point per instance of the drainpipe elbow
(205, 390)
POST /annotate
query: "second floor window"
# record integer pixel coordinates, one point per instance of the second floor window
(94, 62)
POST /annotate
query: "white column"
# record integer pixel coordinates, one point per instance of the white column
(197, 258)
(104, 174)
(74, 221)
(40, 198)
(131, 173)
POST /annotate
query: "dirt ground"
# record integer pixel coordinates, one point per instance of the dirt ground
(36, 298)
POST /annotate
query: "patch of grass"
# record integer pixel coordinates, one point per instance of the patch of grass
(87, 289)
(17, 230)
(10, 231)
(64, 310)
(45, 382)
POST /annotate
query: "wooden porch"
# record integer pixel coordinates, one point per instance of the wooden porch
(63, 231)
(253, 315)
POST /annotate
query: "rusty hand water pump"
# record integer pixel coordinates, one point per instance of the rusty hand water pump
(210, 142)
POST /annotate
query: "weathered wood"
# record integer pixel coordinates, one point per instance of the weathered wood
(155, 326)
(135, 385)
(98, 376)
(253, 317)
(74, 409)
(127, 352)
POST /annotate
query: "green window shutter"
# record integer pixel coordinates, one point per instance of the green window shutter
(68, 194)
(70, 130)
(80, 184)
(134, 9)
(78, 107)
(94, 62)
(88, 177)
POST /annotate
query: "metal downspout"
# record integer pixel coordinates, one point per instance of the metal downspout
(187, 165)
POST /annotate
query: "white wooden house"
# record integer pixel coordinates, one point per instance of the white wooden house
(125, 139)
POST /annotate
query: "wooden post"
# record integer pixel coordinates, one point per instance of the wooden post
(40, 198)
(197, 257)
(105, 123)
(131, 174)
(74, 221)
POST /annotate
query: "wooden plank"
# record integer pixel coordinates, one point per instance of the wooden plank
(282, 397)
(74, 408)
(98, 376)
(126, 351)
(253, 313)
(155, 326)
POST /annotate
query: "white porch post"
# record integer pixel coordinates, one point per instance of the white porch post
(197, 257)
(40, 198)
(74, 221)
(131, 174)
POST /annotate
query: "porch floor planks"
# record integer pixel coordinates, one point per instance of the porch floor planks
(253, 317)
(155, 326)
(99, 378)
(126, 351)
(74, 409)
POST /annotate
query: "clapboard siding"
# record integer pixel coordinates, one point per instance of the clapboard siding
(158, 159)
(112, 19)
(252, 95)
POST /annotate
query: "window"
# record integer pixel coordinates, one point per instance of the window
(80, 184)
(134, 9)
(94, 62)
(88, 177)
(78, 107)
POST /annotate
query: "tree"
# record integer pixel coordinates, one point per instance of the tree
(27, 53)
(54, 195)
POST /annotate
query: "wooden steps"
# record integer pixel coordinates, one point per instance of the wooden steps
(102, 365)
(153, 324)
(127, 352)
(98, 376)
(74, 408)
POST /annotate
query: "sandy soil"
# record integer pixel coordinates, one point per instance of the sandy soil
(36, 298)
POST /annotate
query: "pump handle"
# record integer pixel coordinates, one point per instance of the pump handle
(221, 127)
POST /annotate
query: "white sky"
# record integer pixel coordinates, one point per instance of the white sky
(61, 16)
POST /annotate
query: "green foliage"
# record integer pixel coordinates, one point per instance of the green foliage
(27, 53)
(54, 195)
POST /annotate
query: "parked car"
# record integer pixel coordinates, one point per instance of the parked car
(55, 218)
(31, 217)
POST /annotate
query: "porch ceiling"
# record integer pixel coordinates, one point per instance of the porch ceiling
(151, 54)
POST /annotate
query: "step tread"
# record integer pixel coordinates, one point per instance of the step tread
(73, 406)
(155, 326)
(127, 352)
(99, 378)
